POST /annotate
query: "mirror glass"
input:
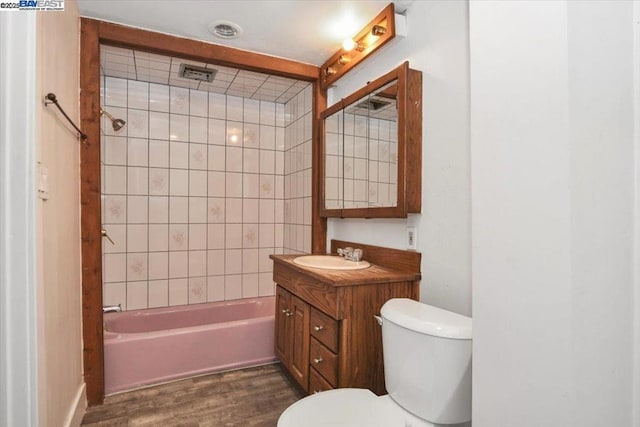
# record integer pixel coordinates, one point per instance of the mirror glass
(361, 152)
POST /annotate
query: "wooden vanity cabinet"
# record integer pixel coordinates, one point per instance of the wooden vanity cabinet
(326, 335)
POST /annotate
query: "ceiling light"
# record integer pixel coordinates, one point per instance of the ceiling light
(225, 29)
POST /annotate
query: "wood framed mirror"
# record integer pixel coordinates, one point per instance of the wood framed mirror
(371, 149)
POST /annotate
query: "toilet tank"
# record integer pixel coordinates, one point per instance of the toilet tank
(427, 360)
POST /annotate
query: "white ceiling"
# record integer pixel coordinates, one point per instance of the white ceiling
(303, 30)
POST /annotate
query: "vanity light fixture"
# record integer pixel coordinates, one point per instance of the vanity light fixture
(374, 35)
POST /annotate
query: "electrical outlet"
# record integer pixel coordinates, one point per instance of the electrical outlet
(412, 238)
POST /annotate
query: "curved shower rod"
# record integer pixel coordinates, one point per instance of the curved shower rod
(51, 99)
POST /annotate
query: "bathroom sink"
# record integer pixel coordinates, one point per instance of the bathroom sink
(329, 262)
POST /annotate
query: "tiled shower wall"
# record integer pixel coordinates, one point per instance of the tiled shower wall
(297, 180)
(194, 194)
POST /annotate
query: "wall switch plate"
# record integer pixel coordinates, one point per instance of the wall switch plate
(43, 182)
(412, 238)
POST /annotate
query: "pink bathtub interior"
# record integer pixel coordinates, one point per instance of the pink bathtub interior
(145, 347)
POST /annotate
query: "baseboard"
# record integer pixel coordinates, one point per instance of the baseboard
(77, 410)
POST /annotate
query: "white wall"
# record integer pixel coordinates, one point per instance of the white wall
(552, 160)
(437, 45)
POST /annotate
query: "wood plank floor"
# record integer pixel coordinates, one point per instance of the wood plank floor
(247, 397)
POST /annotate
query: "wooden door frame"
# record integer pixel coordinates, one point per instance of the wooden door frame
(93, 34)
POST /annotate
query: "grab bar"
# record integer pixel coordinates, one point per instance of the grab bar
(51, 98)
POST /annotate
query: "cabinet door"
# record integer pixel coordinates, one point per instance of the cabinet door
(283, 329)
(299, 362)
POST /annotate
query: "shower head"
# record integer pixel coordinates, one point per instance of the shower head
(117, 124)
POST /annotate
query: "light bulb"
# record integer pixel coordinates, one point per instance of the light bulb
(348, 44)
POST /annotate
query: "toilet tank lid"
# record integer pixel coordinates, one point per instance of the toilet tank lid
(427, 319)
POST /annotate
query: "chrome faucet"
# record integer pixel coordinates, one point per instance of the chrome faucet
(112, 308)
(351, 254)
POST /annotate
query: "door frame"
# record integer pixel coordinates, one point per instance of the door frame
(93, 34)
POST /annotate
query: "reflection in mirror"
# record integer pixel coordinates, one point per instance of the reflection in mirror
(362, 152)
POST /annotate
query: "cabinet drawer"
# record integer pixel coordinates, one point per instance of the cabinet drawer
(324, 361)
(317, 383)
(324, 329)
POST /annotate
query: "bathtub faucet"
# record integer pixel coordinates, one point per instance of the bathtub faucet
(351, 254)
(112, 308)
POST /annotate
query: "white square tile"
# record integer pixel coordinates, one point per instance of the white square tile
(115, 293)
(115, 150)
(234, 159)
(234, 133)
(234, 108)
(137, 295)
(233, 261)
(280, 115)
(197, 263)
(136, 266)
(267, 186)
(233, 287)
(115, 268)
(215, 288)
(267, 113)
(158, 293)
(179, 155)
(178, 292)
(233, 236)
(178, 100)
(158, 154)
(178, 210)
(197, 236)
(158, 181)
(197, 290)
(250, 208)
(117, 233)
(137, 123)
(216, 186)
(266, 235)
(266, 285)
(279, 211)
(215, 236)
(250, 235)
(158, 210)
(233, 185)
(158, 237)
(178, 237)
(217, 132)
(158, 97)
(178, 264)
(267, 137)
(158, 125)
(138, 95)
(115, 180)
(115, 92)
(250, 260)
(216, 210)
(279, 234)
(267, 211)
(198, 156)
(178, 182)
(251, 110)
(251, 161)
(137, 208)
(198, 103)
(267, 161)
(137, 238)
(217, 105)
(198, 131)
(137, 180)
(178, 127)
(117, 113)
(198, 210)
(251, 185)
(215, 262)
(233, 210)
(198, 183)
(138, 152)
(158, 265)
(280, 143)
(250, 285)
(217, 157)
(265, 263)
(251, 135)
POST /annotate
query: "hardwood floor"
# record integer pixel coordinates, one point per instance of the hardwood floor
(247, 397)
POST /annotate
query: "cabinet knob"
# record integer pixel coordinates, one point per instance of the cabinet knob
(318, 328)
(317, 360)
(316, 391)
(287, 312)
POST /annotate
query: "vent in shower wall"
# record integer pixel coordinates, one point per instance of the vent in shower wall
(193, 72)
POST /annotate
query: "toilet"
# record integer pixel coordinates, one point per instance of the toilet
(427, 363)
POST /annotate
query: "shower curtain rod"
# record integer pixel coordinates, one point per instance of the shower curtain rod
(51, 99)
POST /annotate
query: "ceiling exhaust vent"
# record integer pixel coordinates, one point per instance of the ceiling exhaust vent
(372, 104)
(193, 72)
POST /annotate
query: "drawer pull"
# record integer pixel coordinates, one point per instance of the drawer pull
(318, 328)
(316, 391)
(287, 312)
(317, 360)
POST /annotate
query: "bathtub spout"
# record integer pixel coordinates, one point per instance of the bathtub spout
(112, 308)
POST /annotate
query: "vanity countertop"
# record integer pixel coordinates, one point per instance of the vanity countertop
(374, 274)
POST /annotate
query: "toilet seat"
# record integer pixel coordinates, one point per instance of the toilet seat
(348, 407)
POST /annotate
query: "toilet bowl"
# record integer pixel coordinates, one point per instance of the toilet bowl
(427, 360)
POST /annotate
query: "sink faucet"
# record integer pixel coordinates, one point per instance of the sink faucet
(351, 254)
(112, 308)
